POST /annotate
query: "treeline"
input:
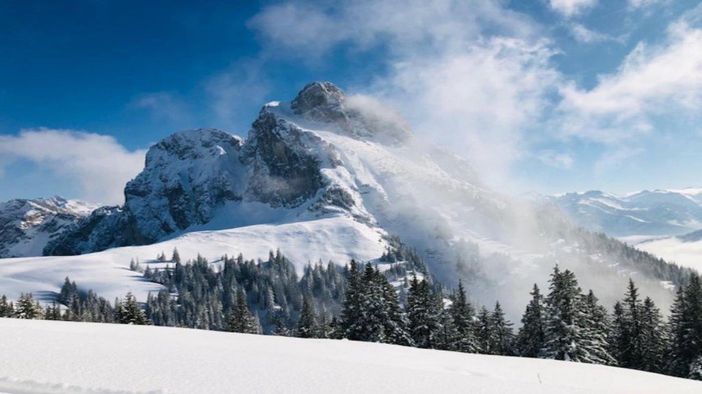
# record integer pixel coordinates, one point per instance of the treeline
(72, 305)
(400, 305)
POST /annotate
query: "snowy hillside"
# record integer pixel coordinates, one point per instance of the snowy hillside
(26, 226)
(107, 273)
(96, 358)
(636, 216)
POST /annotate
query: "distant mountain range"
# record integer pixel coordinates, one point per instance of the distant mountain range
(647, 213)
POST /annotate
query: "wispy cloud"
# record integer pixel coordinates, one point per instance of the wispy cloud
(238, 87)
(587, 36)
(163, 106)
(97, 163)
(569, 8)
(555, 159)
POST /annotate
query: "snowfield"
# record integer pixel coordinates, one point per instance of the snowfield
(61, 357)
(337, 238)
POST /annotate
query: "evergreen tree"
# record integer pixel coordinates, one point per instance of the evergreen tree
(27, 308)
(241, 319)
(571, 330)
(128, 311)
(654, 337)
(352, 316)
(7, 309)
(483, 331)
(462, 319)
(531, 338)
(424, 313)
(595, 333)
(280, 323)
(307, 325)
(176, 256)
(52, 312)
(501, 335)
(686, 330)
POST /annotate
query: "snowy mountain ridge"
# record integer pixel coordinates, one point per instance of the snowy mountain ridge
(645, 213)
(27, 225)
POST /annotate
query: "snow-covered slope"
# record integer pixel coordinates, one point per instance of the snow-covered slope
(100, 358)
(107, 273)
(26, 226)
(642, 214)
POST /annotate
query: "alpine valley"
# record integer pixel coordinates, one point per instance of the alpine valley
(325, 177)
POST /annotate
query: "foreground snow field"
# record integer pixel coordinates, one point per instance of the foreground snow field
(61, 357)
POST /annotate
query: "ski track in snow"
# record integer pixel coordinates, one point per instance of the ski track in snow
(51, 357)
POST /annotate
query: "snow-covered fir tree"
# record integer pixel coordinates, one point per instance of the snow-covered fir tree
(686, 330)
(501, 335)
(463, 321)
(307, 324)
(531, 338)
(424, 314)
(127, 311)
(241, 319)
(27, 308)
(570, 330)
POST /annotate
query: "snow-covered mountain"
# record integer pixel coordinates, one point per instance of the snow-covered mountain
(644, 214)
(107, 358)
(326, 176)
(27, 225)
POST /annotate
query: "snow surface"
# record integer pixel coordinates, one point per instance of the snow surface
(65, 357)
(338, 239)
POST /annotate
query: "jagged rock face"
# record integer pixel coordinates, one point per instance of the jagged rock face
(189, 175)
(323, 102)
(103, 228)
(284, 171)
(27, 225)
(185, 177)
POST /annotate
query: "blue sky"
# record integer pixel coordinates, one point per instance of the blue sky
(542, 95)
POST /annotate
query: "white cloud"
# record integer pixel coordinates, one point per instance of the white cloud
(406, 26)
(479, 103)
(569, 8)
(97, 163)
(588, 36)
(652, 81)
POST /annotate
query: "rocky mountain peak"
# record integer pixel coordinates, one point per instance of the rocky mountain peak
(317, 96)
(321, 102)
(26, 225)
